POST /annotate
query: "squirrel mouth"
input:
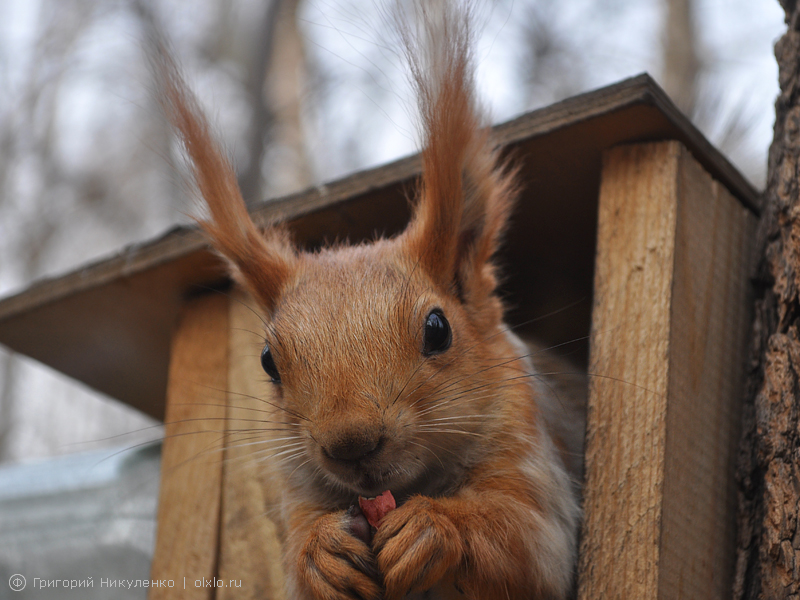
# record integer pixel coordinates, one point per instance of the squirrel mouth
(371, 486)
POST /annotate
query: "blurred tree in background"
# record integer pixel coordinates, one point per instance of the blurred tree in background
(301, 91)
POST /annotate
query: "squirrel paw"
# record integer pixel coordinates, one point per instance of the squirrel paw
(416, 546)
(335, 565)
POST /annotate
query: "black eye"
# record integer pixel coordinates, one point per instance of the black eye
(268, 363)
(437, 333)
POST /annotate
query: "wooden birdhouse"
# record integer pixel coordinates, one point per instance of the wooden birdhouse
(628, 217)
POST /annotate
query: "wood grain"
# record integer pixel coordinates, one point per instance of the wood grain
(668, 335)
(191, 461)
(250, 547)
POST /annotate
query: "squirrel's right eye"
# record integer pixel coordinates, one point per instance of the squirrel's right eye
(437, 336)
(268, 364)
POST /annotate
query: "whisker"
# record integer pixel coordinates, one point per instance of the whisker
(436, 456)
(431, 429)
(459, 417)
(258, 399)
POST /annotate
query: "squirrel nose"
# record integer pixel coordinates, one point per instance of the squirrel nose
(351, 446)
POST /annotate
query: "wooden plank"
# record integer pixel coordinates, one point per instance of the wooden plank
(191, 461)
(250, 548)
(669, 325)
(714, 263)
(625, 420)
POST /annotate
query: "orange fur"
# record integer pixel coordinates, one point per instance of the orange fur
(486, 508)
(263, 261)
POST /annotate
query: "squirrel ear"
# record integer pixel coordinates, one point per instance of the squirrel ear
(466, 192)
(263, 262)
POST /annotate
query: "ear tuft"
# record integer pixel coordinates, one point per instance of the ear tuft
(466, 192)
(263, 262)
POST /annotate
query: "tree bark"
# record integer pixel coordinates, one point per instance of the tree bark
(768, 552)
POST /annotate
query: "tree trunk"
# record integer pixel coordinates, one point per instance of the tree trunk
(682, 64)
(263, 115)
(768, 553)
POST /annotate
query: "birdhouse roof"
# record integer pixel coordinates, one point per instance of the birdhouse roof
(109, 323)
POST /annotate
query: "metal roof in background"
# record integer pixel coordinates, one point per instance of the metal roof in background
(80, 516)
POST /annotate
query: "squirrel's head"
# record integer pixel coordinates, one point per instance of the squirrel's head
(387, 358)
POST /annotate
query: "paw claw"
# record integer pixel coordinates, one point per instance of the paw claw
(417, 545)
(335, 565)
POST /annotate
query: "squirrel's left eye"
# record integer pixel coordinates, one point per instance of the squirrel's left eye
(438, 336)
(268, 364)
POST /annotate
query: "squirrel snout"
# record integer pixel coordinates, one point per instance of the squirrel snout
(351, 445)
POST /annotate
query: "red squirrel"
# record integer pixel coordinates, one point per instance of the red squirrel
(395, 374)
